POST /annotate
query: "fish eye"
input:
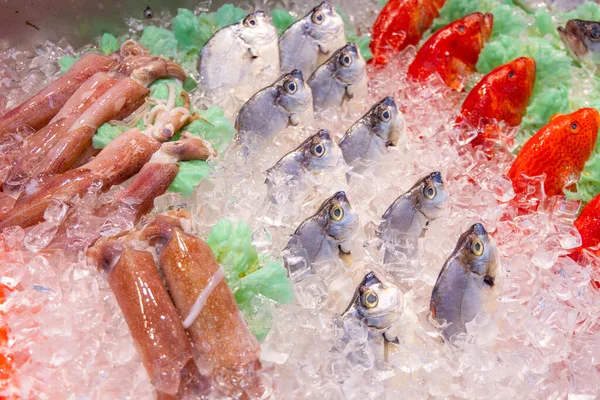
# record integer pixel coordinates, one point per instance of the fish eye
(461, 29)
(291, 87)
(318, 17)
(511, 74)
(574, 127)
(346, 60)
(477, 247)
(595, 33)
(370, 299)
(251, 21)
(318, 150)
(429, 192)
(385, 115)
(337, 213)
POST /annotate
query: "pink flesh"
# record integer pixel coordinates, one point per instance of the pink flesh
(43, 106)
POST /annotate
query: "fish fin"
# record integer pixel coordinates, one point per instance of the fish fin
(389, 143)
(394, 340)
(253, 53)
(323, 50)
(294, 119)
(349, 92)
(489, 280)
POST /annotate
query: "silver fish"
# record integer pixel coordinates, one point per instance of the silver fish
(273, 108)
(377, 304)
(469, 272)
(368, 138)
(582, 38)
(245, 53)
(308, 42)
(408, 217)
(321, 237)
(339, 79)
(317, 153)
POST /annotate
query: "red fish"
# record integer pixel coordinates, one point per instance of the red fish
(401, 23)
(452, 52)
(588, 225)
(559, 150)
(502, 95)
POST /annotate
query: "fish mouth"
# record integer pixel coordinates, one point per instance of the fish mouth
(324, 134)
(478, 229)
(595, 113)
(296, 73)
(388, 101)
(437, 177)
(572, 35)
(488, 26)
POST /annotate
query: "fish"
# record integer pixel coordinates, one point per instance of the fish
(308, 42)
(339, 79)
(321, 237)
(377, 304)
(369, 137)
(501, 95)
(453, 51)
(588, 226)
(412, 212)
(559, 150)
(408, 217)
(582, 38)
(401, 23)
(245, 53)
(464, 282)
(274, 108)
(317, 153)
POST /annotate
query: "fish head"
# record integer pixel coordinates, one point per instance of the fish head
(576, 132)
(350, 66)
(473, 30)
(320, 152)
(257, 29)
(582, 38)
(294, 94)
(431, 195)
(513, 82)
(323, 23)
(385, 121)
(378, 304)
(477, 252)
(341, 219)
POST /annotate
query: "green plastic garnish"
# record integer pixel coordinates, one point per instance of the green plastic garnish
(258, 283)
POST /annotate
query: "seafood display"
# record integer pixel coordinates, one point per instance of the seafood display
(395, 199)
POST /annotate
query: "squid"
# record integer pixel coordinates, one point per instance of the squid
(127, 94)
(117, 162)
(225, 347)
(136, 199)
(65, 142)
(153, 320)
(37, 111)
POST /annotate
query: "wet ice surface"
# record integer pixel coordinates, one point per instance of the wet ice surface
(537, 339)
